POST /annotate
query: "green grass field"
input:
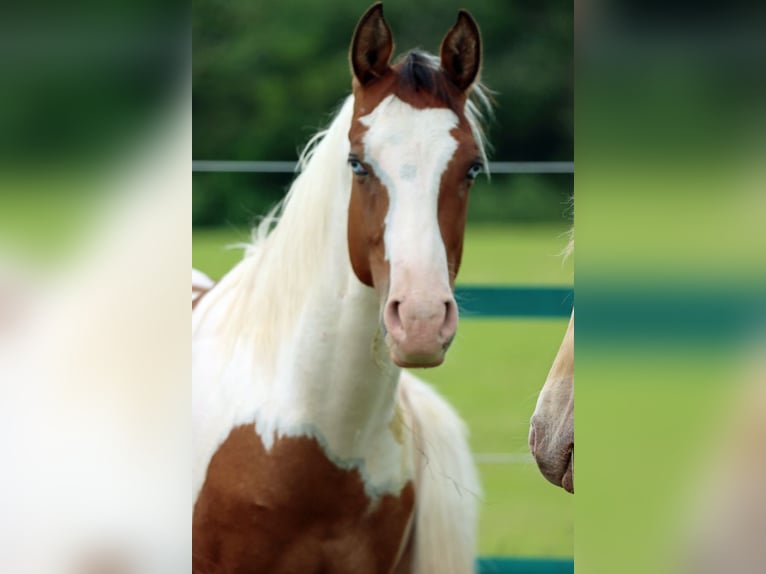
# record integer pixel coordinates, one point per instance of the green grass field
(492, 376)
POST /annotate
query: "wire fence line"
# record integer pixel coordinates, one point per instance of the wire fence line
(495, 167)
(503, 458)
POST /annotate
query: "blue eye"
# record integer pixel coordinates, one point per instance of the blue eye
(356, 166)
(474, 170)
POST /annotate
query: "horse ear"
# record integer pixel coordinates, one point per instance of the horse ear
(371, 46)
(461, 51)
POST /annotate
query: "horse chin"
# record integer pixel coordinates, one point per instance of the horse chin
(415, 358)
(416, 361)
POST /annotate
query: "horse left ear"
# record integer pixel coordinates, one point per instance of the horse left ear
(461, 51)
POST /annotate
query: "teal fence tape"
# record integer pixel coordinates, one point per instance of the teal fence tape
(525, 566)
(475, 301)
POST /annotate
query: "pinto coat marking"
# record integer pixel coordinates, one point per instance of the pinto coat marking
(262, 511)
(313, 452)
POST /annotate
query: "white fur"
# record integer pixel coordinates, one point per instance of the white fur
(411, 170)
(201, 281)
(447, 486)
(409, 151)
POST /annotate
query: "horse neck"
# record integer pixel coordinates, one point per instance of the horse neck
(321, 366)
(334, 373)
(335, 378)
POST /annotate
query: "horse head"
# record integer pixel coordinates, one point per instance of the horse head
(415, 149)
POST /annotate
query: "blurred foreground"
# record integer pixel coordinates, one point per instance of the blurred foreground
(94, 375)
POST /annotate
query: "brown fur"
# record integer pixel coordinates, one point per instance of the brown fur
(263, 511)
(461, 51)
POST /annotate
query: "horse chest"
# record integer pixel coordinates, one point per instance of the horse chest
(291, 510)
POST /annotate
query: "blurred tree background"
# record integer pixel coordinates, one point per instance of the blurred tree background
(267, 75)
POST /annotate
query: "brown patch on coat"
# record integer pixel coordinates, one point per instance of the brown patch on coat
(453, 196)
(292, 511)
(367, 210)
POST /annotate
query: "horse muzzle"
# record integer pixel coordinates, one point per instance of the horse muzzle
(554, 453)
(419, 332)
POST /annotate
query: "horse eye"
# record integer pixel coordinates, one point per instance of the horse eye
(474, 170)
(357, 167)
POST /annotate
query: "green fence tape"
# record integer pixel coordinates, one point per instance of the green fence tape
(491, 565)
(482, 301)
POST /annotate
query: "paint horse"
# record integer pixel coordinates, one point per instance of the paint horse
(313, 450)
(551, 429)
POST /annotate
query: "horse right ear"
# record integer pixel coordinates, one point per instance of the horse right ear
(372, 46)
(461, 51)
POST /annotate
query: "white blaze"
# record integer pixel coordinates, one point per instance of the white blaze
(409, 149)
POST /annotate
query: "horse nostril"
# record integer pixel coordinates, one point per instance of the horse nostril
(532, 437)
(392, 318)
(449, 324)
